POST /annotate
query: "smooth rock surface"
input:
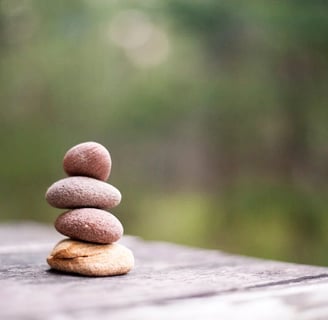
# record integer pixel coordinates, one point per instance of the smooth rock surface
(79, 192)
(89, 224)
(91, 259)
(89, 159)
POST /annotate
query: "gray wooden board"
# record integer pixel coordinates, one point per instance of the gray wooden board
(169, 281)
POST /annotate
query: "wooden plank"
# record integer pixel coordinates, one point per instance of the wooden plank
(176, 282)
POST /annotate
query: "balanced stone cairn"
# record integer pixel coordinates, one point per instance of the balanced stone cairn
(92, 249)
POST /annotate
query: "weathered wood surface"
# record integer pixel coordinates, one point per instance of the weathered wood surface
(168, 282)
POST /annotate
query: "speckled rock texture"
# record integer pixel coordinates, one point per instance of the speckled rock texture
(89, 159)
(79, 192)
(92, 249)
(89, 224)
(91, 259)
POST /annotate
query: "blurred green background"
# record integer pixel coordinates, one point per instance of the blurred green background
(215, 113)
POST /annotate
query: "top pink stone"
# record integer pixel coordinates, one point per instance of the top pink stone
(89, 159)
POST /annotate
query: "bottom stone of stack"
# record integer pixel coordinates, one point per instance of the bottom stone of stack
(91, 259)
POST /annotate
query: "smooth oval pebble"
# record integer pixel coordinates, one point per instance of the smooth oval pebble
(91, 259)
(89, 224)
(88, 159)
(78, 192)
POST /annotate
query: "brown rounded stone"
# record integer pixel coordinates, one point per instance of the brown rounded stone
(89, 224)
(89, 159)
(79, 192)
(91, 259)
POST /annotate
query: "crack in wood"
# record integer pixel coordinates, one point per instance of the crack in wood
(289, 281)
(246, 288)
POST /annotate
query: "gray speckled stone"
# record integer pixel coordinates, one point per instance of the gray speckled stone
(79, 192)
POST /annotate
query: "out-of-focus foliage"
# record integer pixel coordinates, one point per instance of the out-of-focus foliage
(215, 113)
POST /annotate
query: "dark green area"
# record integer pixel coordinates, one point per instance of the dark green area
(215, 113)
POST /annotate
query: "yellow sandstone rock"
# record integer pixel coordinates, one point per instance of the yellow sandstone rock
(91, 259)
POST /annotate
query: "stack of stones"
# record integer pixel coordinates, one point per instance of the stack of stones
(92, 249)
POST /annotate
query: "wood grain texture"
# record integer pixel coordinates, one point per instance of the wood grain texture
(168, 282)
